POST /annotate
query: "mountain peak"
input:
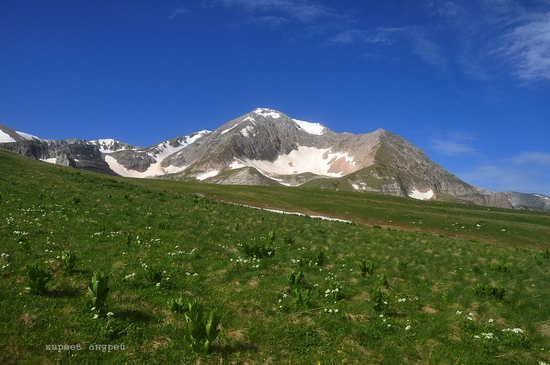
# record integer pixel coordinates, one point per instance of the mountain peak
(267, 112)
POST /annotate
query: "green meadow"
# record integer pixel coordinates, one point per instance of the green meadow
(408, 282)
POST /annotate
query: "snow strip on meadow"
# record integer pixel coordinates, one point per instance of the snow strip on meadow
(322, 217)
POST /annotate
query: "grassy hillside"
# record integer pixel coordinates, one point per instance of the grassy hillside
(501, 226)
(422, 299)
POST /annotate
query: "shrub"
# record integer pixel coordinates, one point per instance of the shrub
(98, 290)
(68, 260)
(201, 329)
(38, 278)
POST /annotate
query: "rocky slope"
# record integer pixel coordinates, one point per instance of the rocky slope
(266, 147)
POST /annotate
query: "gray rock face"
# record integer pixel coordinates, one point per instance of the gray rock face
(72, 153)
(266, 147)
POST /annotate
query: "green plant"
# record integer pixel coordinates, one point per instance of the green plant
(491, 291)
(153, 275)
(301, 297)
(296, 278)
(258, 249)
(176, 305)
(98, 290)
(378, 299)
(201, 329)
(38, 278)
(384, 280)
(499, 267)
(320, 258)
(68, 260)
(288, 239)
(402, 265)
(367, 268)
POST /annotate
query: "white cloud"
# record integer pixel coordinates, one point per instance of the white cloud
(177, 12)
(416, 38)
(527, 47)
(453, 144)
(452, 148)
(300, 10)
(507, 177)
(538, 158)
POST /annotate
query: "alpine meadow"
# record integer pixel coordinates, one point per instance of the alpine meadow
(270, 182)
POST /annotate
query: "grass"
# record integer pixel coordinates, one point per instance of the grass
(428, 299)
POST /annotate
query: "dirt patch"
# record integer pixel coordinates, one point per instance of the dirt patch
(429, 310)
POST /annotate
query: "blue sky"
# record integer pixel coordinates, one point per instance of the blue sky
(467, 81)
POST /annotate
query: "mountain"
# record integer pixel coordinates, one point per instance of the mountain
(8, 135)
(267, 147)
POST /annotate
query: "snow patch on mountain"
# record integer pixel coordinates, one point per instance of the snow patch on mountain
(311, 128)
(416, 194)
(306, 159)
(28, 137)
(5, 138)
(236, 165)
(207, 174)
(265, 112)
(359, 186)
(109, 145)
(248, 131)
(49, 160)
(160, 152)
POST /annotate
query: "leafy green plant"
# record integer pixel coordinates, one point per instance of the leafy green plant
(402, 265)
(367, 268)
(68, 260)
(378, 299)
(153, 275)
(201, 329)
(296, 278)
(98, 290)
(258, 249)
(301, 297)
(491, 291)
(320, 261)
(288, 239)
(384, 280)
(38, 278)
(176, 305)
(499, 267)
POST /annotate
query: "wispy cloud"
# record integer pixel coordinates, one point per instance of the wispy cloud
(300, 10)
(453, 144)
(178, 12)
(527, 47)
(521, 172)
(538, 158)
(506, 177)
(416, 38)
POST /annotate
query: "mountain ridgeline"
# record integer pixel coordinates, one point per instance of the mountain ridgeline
(266, 147)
